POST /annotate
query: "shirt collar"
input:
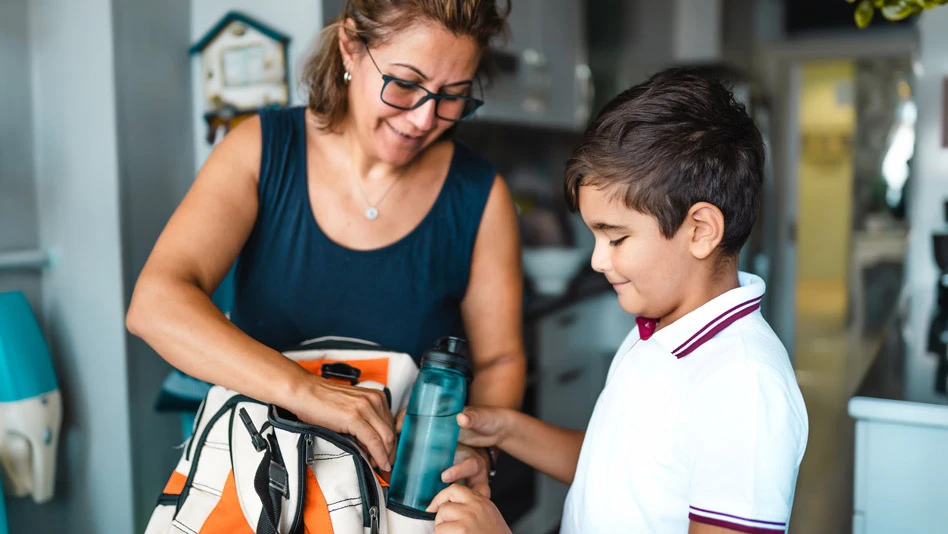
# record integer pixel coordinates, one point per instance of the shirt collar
(685, 335)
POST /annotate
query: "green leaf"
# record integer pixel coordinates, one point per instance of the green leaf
(864, 12)
(891, 9)
(900, 11)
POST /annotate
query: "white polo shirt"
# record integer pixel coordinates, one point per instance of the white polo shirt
(701, 421)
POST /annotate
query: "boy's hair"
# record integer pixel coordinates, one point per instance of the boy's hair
(670, 142)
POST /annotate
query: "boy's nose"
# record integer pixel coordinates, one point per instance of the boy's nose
(600, 261)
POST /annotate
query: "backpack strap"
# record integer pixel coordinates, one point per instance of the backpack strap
(272, 486)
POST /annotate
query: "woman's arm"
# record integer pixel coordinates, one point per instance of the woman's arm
(493, 306)
(172, 311)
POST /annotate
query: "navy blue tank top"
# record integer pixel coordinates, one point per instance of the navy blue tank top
(293, 283)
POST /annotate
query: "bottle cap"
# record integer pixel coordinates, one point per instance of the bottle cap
(450, 353)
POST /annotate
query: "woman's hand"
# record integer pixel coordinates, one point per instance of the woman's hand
(361, 412)
(460, 510)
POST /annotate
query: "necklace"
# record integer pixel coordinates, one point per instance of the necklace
(372, 212)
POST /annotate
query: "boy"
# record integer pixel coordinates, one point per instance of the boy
(701, 427)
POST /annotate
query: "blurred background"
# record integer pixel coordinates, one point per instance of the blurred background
(104, 122)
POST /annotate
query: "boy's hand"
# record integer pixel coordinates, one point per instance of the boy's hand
(472, 466)
(483, 427)
(462, 511)
(400, 420)
(480, 428)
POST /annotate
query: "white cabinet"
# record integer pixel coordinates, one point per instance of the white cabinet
(543, 78)
(901, 466)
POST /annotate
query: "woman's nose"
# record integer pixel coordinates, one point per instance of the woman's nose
(423, 117)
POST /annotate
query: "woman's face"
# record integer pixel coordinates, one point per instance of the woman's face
(425, 54)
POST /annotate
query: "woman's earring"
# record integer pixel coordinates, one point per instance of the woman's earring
(346, 77)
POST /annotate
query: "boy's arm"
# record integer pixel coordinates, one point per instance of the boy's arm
(545, 447)
(700, 528)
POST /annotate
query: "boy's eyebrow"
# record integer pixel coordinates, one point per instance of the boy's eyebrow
(606, 227)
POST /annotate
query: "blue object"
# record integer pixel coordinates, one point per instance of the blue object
(187, 424)
(3, 513)
(294, 283)
(26, 368)
(430, 430)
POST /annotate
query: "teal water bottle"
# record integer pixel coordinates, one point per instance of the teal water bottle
(430, 429)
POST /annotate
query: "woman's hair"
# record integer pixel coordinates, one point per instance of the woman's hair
(375, 21)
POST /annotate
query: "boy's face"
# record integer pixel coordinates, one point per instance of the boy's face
(648, 271)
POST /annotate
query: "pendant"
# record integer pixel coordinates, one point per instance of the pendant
(371, 213)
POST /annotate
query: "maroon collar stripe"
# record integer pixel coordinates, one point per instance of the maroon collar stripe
(715, 326)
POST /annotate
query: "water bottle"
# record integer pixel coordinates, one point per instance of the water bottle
(430, 428)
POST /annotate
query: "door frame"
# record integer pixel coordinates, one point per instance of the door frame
(778, 67)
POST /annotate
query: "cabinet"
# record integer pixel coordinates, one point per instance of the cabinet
(542, 78)
(900, 466)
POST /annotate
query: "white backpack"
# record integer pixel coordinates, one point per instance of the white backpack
(254, 468)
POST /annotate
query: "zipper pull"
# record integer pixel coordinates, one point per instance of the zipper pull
(258, 442)
(310, 450)
(374, 520)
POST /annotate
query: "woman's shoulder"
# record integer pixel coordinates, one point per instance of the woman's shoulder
(240, 148)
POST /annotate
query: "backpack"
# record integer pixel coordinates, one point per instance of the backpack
(250, 467)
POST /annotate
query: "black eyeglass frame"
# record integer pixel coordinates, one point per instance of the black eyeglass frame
(437, 97)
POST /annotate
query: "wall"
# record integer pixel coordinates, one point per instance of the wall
(76, 170)
(99, 149)
(301, 20)
(928, 185)
(647, 47)
(155, 155)
(825, 173)
(19, 229)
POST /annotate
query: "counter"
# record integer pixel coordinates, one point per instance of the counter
(901, 456)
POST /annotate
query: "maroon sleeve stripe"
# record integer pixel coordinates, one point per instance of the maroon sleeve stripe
(734, 526)
(775, 523)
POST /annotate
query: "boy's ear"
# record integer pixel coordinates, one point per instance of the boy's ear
(706, 222)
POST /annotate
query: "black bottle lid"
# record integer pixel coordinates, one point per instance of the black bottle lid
(449, 353)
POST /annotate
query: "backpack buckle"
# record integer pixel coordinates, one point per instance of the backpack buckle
(342, 371)
(259, 442)
(279, 480)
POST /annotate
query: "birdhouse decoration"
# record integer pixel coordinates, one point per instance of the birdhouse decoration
(244, 70)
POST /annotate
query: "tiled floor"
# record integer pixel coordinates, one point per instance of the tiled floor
(829, 366)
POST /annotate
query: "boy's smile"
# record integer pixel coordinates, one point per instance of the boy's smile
(653, 276)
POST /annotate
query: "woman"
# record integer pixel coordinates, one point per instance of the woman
(354, 216)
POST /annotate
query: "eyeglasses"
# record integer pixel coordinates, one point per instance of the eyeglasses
(406, 95)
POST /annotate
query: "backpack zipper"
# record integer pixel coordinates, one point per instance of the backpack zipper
(370, 497)
(374, 516)
(338, 344)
